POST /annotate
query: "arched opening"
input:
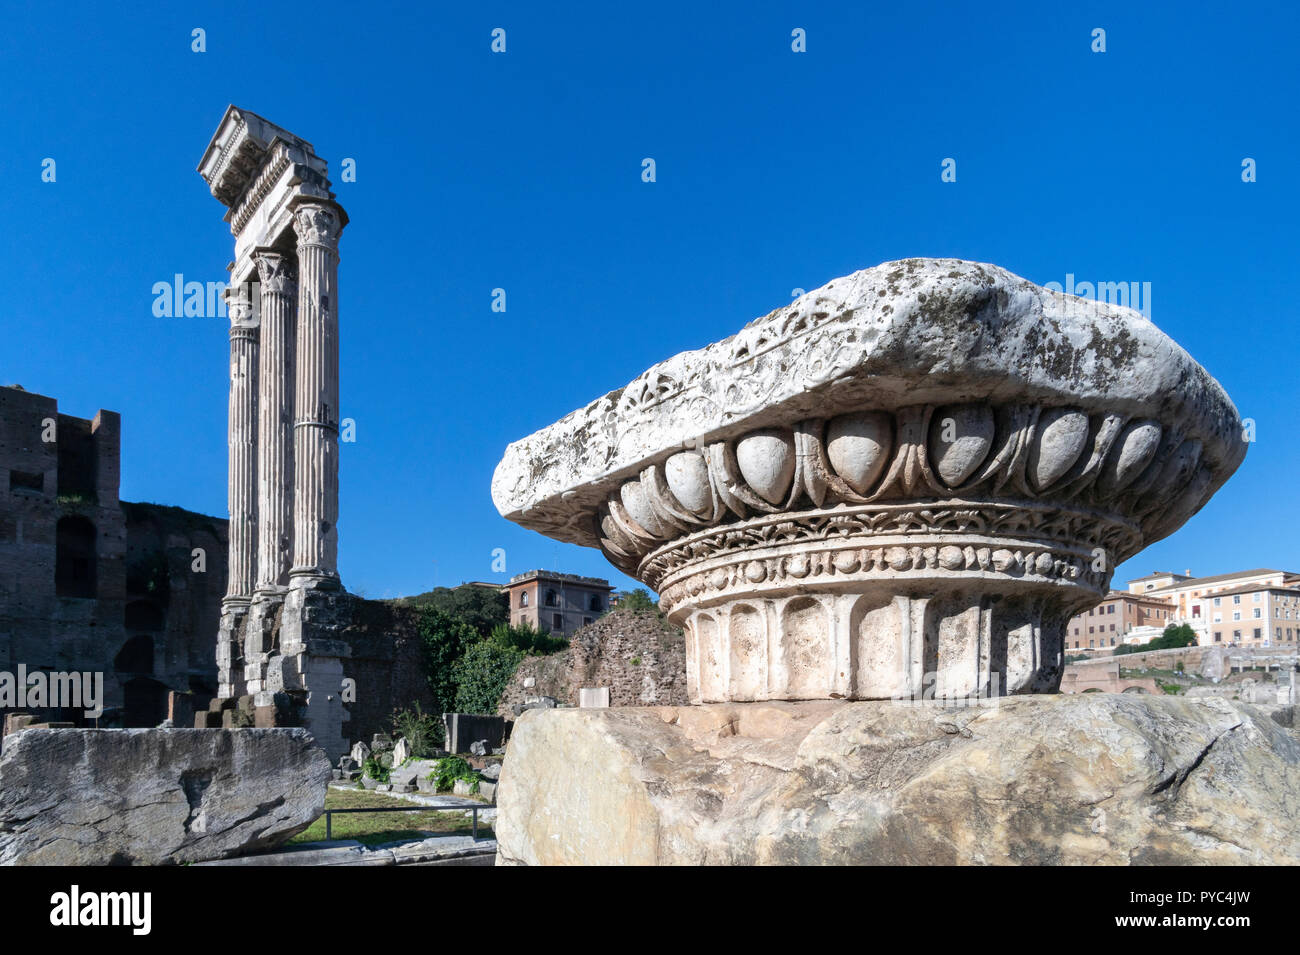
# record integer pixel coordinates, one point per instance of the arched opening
(143, 615)
(144, 702)
(136, 656)
(74, 560)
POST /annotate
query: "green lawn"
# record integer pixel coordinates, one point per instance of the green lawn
(379, 827)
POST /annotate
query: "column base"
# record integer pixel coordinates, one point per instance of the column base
(311, 579)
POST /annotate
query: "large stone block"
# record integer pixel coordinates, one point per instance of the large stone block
(106, 797)
(1096, 779)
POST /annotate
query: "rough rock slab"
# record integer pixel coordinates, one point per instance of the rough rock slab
(1095, 779)
(150, 796)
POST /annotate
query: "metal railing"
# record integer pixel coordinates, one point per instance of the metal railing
(329, 828)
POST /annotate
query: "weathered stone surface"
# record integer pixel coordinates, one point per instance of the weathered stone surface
(1096, 779)
(104, 797)
(904, 482)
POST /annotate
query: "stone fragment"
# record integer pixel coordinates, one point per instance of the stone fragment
(1092, 779)
(360, 752)
(596, 696)
(155, 797)
(402, 751)
(902, 484)
(479, 748)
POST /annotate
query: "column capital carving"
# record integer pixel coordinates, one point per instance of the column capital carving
(317, 224)
(239, 307)
(277, 271)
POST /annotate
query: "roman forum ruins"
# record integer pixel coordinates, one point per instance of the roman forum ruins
(284, 423)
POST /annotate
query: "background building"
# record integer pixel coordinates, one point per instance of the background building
(1109, 622)
(560, 603)
(92, 583)
(1198, 601)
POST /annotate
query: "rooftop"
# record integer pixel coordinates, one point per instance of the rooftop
(1197, 581)
(599, 583)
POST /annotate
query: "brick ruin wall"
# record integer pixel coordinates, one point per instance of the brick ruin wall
(641, 659)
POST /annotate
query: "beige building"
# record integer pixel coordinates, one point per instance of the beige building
(560, 603)
(1226, 603)
(1107, 624)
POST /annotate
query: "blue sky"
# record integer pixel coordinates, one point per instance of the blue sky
(522, 171)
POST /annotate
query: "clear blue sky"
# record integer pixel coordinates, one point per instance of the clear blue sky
(522, 170)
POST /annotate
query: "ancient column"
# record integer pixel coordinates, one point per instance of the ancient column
(242, 438)
(316, 398)
(279, 287)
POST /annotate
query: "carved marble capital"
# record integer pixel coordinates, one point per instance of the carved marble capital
(239, 309)
(904, 482)
(317, 224)
(277, 272)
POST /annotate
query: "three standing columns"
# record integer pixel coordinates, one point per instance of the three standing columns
(284, 421)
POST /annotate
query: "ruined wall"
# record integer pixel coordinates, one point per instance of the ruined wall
(640, 659)
(90, 583)
(387, 664)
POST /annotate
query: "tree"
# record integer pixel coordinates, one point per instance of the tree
(525, 638)
(481, 675)
(481, 607)
(638, 599)
(445, 639)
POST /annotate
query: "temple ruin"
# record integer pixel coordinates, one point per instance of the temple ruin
(275, 635)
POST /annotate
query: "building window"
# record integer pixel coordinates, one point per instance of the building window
(74, 560)
(1218, 636)
(557, 621)
(1236, 636)
(1217, 601)
(1236, 615)
(523, 598)
(1236, 598)
(552, 598)
(1256, 597)
(1256, 613)
(1110, 609)
(22, 481)
(595, 603)
(1257, 633)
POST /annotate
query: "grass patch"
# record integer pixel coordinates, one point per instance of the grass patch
(375, 828)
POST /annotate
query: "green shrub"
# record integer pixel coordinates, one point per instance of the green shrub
(422, 730)
(481, 675)
(444, 639)
(449, 769)
(375, 769)
(525, 638)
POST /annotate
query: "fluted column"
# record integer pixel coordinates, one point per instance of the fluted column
(242, 439)
(275, 481)
(316, 398)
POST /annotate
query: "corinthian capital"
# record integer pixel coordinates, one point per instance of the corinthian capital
(239, 307)
(278, 272)
(317, 225)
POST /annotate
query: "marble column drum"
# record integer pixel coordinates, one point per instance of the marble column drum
(278, 274)
(242, 436)
(316, 398)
